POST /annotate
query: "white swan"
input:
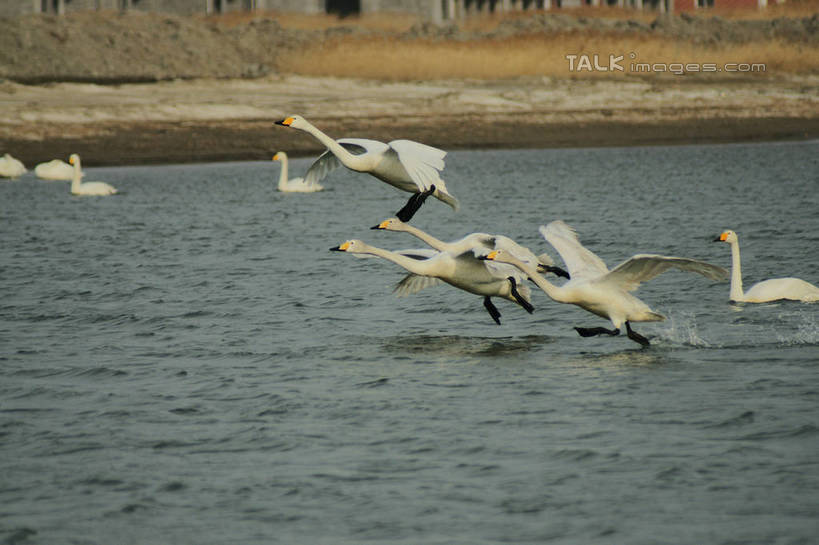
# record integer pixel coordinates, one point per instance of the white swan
(767, 290)
(464, 271)
(404, 164)
(87, 188)
(54, 170)
(543, 262)
(600, 291)
(293, 185)
(11, 167)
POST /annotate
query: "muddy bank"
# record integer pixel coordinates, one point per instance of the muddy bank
(145, 143)
(213, 120)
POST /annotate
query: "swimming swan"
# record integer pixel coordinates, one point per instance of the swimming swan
(293, 185)
(464, 271)
(11, 167)
(54, 170)
(87, 188)
(605, 293)
(404, 164)
(767, 290)
(543, 262)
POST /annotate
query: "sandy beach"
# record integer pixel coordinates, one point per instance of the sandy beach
(213, 120)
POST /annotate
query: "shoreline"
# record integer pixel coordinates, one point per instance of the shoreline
(176, 143)
(223, 120)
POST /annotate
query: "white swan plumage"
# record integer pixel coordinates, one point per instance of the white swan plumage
(774, 289)
(605, 293)
(78, 187)
(464, 271)
(54, 170)
(543, 262)
(11, 167)
(293, 185)
(404, 164)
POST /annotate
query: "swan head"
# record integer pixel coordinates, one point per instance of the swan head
(294, 121)
(500, 256)
(727, 236)
(348, 246)
(391, 224)
(280, 156)
(74, 159)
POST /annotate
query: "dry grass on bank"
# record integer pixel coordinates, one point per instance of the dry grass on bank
(393, 60)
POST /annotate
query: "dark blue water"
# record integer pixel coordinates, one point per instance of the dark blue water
(188, 363)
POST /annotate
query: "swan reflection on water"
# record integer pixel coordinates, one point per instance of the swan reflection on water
(454, 345)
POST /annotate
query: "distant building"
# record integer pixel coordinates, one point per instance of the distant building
(435, 10)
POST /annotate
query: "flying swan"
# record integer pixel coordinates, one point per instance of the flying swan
(543, 262)
(404, 164)
(11, 167)
(464, 271)
(54, 170)
(767, 290)
(605, 293)
(87, 188)
(293, 185)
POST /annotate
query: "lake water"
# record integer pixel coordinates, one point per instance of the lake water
(188, 363)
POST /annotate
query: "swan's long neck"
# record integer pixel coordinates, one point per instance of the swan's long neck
(736, 273)
(283, 173)
(347, 159)
(433, 242)
(76, 180)
(412, 265)
(554, 292)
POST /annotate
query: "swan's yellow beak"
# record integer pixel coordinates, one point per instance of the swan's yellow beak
(286, 122)
(383, 224)
(723, 237)
(492, 255)
(71, 160)
(344, 246)
(276, 157)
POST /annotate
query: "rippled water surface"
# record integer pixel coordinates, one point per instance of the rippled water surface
(188, 363)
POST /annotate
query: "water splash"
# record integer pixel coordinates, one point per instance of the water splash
(682, 329)
(807, 328)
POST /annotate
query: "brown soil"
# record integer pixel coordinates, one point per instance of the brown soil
(227, 107)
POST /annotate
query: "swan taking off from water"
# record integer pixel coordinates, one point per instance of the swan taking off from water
(404, 164)
(543, 262)
(464, 271)
(767, 290)
(11, 167)
(600, 291)
(87, 188)
(293, 185)
(54, 170)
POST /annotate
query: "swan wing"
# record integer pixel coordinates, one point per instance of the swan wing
(581, 262)
(522, 252)
(413, 283)
(643, 267)
(423, 163)
(420, 253)
(327, 162)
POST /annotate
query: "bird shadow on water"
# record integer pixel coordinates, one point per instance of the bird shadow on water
(463, 346)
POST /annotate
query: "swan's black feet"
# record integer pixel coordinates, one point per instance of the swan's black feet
(492, 309)
(557, 271)
(518, 297)
(413, 204)
(636, 337)
(593, 331)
